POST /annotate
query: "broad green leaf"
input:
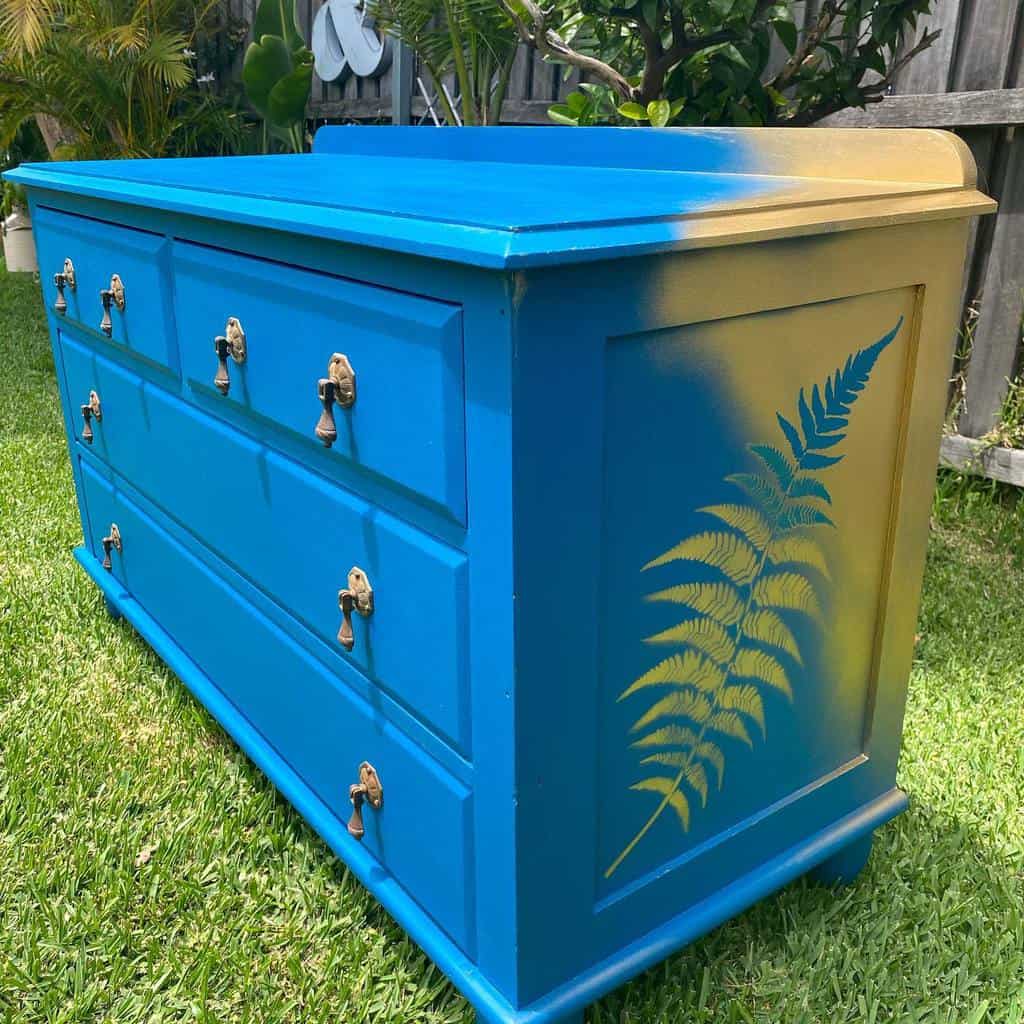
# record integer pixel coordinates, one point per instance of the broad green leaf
(266, 63)
(278, 18)
(561, 114)
(659, 111)
(633, 111)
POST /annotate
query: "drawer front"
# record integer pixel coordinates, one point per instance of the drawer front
(420, 835)
(295, 536)
(98, 251)
(407, 423)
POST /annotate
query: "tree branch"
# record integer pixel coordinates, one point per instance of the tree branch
(873, 93)
(533, 30)
(810, 43)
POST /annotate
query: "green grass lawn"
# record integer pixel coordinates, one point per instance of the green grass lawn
(149, 873)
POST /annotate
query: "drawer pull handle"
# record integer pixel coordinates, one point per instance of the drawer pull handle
(112, 540)
(367, 790)
(66, 278)
(92, 409)
(114, 295)
(338, 386)
(358, 596)
(231, 343)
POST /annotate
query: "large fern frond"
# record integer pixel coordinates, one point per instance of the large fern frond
(732, 643)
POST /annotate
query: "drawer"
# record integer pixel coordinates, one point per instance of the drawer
(420, 835)
(407, 423)
(294, 535)
(97, 251)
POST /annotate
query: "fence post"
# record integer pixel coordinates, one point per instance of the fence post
(401, 84)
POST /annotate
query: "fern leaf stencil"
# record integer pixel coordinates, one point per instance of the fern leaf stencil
(735, 641)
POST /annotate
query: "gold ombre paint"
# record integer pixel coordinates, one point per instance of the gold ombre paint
(709, 689)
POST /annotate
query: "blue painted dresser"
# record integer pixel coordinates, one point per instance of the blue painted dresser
(543, 511)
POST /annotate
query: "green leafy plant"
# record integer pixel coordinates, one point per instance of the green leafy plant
(735, 640)
(704, 62)
(471, 39)
(109, 78)
(278, 73)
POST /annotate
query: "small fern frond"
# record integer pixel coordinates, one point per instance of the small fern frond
(703, 634)
(729, 554)
(754, 664)
(798, 514)
(764, 626)
(744, 519)
(792, 436)
(809, 487)
(746, 700)
(777, 464)
(668, 790)
(761, 490)
(788, 591)
(719, 600)
(678, 745)
(678, 704)
(798, 550)
(729, 723)
(689, 669)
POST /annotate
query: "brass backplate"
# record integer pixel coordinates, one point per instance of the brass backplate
(370, 780)
(341, 374)
(115, 535)
(69, 274)
(236, 339)
(94, 405)
(361, 591)
(117, 291)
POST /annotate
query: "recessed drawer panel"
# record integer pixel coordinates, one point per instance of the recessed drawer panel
(138, 315)
(403, 421)
(295, 536)
(420, 833)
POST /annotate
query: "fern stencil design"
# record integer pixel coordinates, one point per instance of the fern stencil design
(736, 640)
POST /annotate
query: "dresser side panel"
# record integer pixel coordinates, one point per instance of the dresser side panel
(639, 387)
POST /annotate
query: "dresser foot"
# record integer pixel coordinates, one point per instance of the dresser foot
(843, 867)
(112, 609)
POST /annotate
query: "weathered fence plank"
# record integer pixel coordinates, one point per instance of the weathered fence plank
(997, 335)
(968, 455)
(931, 71)
(939, 110)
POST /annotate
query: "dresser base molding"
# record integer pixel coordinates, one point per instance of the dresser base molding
(828, 855)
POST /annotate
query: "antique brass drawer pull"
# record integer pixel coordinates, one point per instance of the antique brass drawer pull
(338, 386)
(114, 295)
(358, 596)
(367, 790)
(91, 410)
(112, 540)
(66, 278)
(231, 343)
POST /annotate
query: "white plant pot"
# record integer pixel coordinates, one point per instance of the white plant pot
(19, 246)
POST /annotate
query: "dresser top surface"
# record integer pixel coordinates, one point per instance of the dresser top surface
(516, 197)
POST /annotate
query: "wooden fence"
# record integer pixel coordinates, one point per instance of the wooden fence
(971, 81)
